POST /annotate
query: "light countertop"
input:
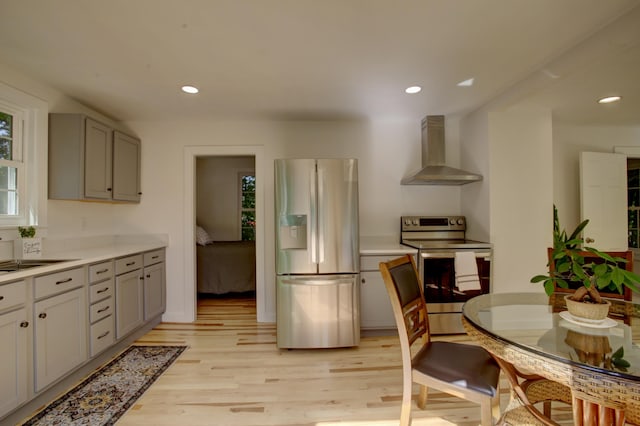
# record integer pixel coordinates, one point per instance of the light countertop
(384, 246)
(78, 252)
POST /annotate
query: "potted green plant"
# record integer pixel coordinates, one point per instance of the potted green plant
(28, 246)
(571, 266)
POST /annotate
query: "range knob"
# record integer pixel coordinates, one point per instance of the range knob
(452, 221)
(460, 221)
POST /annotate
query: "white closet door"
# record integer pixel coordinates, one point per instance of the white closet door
(603, 195)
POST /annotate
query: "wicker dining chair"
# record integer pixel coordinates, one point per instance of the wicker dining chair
(465, 371)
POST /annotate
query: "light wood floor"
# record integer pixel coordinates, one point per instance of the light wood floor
(233, 374)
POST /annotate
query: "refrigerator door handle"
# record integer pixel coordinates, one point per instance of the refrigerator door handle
(313, 216)
(317, 281)
(321, 225)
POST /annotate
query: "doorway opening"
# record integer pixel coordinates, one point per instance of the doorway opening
(191, 155)
(225, 228)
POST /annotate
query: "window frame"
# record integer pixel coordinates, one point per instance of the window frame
(241, 209)
(16, 162)
(30, 121)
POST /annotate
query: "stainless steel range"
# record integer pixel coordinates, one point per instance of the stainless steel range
(438, 239)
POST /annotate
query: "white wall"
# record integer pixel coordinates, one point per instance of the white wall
(521, 196)
(217, 194)
(568, 141)
(475, 196)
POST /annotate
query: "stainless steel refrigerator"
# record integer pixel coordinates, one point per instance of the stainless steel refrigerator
(317, 253)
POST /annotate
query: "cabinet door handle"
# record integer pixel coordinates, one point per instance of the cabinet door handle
(64, 281)
(42, 315)
(102, 271)
(106, 308)
(130, 263)
(148, 276)
(139, 193)
(103, 290)
(24, 324)
(1, 297)
(363, 281)
(103, 335)
(108, 189)
(141, 277)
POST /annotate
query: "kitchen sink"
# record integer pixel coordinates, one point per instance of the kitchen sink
(21, 264)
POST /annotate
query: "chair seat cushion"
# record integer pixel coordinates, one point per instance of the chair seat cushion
(466, 366)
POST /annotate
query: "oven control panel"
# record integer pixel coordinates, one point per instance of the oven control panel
(432, 223)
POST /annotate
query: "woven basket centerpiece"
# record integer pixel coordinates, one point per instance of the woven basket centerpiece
(588, 311)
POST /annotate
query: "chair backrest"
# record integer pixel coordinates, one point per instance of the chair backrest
(407, 299)
(590, 257)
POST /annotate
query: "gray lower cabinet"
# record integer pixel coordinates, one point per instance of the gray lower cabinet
(154, 284)
(54, 323)
(375, 307)
(14, 335)
(102, 312)
(60, 327)
(129, 294)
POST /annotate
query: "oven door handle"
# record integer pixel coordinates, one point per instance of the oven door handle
(451, 255)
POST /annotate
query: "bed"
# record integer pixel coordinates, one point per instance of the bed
(226, 267)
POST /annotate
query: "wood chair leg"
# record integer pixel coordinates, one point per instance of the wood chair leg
(495, 406)
(487, 411)
(405, 412)
(422, 397)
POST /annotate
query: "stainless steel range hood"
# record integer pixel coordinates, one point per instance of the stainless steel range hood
(434, 171)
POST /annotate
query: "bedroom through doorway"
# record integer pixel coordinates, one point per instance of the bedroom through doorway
(225, 229)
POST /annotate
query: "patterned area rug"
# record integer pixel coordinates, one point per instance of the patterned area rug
(105, 396)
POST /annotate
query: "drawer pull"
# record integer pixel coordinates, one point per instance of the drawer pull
(103, 290)
(130, 263)
(64, 281)
(103, 309)
(102, 271)
(155, 257)
(103, 335)
(24, 324)
(42, 315)
(148, 276)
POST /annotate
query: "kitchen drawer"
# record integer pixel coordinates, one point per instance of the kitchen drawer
(152, 257)
(371, 263)
(47, 285)
(99, 310)
(100, 271)
(12, 294)
(101, 290)
(102, 335)
(128, 264)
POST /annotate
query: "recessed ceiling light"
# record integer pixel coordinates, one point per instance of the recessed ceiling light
(413, 89)
(190, 89)
(609, 99)
(466, 83)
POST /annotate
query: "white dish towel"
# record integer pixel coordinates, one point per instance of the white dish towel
(466, 271)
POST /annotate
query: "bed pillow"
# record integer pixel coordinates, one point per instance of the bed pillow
(202, 237)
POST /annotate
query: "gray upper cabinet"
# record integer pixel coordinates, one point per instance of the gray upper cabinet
(126, 167)
(88, 160)
(98, 161)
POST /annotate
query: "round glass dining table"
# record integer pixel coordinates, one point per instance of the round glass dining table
(598, 361)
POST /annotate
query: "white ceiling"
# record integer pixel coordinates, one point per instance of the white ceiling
(328, 59)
